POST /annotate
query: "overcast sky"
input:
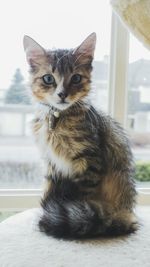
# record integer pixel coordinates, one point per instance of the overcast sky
(57, 23)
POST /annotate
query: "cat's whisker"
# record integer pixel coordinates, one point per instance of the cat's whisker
(59, 59)
(80, 65)
(81, 55)
(78, 58)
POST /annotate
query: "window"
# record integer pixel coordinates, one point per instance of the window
(119, 78)
(139, 95)
(138, 119)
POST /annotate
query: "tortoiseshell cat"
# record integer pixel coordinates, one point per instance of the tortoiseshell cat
(90, 188)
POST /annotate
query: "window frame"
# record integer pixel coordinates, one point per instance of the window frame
(22, 199)
(19, 199)
(118, 71)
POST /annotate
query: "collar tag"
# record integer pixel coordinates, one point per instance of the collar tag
(53, 116)
(56, 114)
(53, 119)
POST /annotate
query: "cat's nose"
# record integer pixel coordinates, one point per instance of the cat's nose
(62, 95)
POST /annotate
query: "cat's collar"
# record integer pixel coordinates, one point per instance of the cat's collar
(53, 116)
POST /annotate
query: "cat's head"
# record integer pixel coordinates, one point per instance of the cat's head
(60, 77)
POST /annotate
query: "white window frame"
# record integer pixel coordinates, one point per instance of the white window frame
(20, 199)
(118, 71)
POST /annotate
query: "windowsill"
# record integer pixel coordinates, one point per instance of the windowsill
(22, 199)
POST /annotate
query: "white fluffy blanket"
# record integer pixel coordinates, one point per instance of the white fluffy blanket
(22, 245)
(136, 16)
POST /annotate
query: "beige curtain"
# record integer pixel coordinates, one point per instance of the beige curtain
(136, 16)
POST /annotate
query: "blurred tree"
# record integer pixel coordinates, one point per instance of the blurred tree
(17, 92)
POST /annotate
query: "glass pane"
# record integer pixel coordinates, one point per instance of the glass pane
(10, 124)
(5, 214)
(139, 107)
(61, 24)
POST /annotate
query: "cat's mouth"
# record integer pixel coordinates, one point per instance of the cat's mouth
(62, 102)
(62, 105)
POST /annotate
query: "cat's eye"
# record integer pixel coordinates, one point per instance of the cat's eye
(48, 79)
(76, 78)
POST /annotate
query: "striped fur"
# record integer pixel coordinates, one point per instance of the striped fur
(89, 166)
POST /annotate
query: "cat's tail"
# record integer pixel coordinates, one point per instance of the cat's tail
(70, 219)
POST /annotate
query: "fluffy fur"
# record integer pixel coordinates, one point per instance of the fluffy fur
(89, 168)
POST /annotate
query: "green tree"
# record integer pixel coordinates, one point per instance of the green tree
(17, 92)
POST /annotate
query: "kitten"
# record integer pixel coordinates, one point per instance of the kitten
(89, 167)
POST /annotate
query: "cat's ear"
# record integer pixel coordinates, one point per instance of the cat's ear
(34, 52)
(87, 47)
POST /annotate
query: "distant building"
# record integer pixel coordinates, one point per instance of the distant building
(139, 73)
(139, 96)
